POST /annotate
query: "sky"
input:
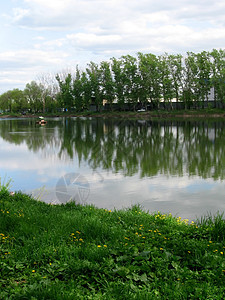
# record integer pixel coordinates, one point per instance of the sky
(43, 37)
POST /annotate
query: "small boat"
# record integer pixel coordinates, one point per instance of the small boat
(41, 121)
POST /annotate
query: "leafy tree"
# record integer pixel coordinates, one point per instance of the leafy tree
(190, 90)
(218, 74)
(94, 74)
(18, 100)
(107, 83)
(87, 90)
(203, 76)
(119, 81)
(176, 71)
(78, 90)
(66, 91)
(165, 78)
(13, 101)
(6, 101)
(150, 77)
(132, 79)
(33, 93)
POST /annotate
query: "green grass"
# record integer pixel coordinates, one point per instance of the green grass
(81, 252)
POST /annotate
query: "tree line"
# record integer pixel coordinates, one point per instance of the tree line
(128, 81)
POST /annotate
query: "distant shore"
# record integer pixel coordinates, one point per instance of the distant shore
(128, 114)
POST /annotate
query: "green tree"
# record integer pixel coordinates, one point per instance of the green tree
(119, 81)
(166, 81)
(33, 94)
(132, 80)
(94, 74)
(203, 76)
(13, 101)
(6, 101)
(190, 88)
(18, 100)
(66, 91)
(218, 75)
(78, 90)
(176, 72)
(150, 78)
(107, 83)
(87, 90)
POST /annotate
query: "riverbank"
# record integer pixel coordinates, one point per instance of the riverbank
(184, 114)
(81, 252)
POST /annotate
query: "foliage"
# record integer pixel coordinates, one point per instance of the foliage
(73, 251)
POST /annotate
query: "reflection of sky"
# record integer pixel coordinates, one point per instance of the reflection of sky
(185, 196)
(182, 196)
(30, 170)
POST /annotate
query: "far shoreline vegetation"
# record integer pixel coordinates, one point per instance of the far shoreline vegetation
(157, 114)
(72, 251)
(146, 82)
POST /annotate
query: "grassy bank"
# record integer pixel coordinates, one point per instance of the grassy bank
(81, 252)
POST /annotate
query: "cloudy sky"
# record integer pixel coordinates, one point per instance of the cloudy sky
(48, 36)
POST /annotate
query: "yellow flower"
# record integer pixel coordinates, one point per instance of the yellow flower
(105, 246)
(221, 252)
(99, 246)
(33, 271)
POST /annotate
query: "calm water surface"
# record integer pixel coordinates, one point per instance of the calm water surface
(175, 167)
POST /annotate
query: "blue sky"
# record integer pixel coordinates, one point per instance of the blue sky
(45, 36)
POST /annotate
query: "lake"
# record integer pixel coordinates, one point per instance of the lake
(174, 167)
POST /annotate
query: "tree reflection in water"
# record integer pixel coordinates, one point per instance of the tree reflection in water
(128, 146)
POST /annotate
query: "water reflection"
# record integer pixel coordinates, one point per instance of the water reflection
(145, 147)
(172, 166)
